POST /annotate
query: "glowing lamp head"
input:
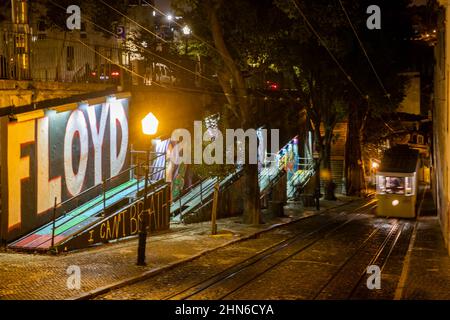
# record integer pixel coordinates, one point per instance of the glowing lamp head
(169, 17)
(395, 203)
(150, 124)
(186, 30)
(375, 165)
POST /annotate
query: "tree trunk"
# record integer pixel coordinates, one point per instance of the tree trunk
(241, 106)
(354, 174)
(327, 173)
(252, 208)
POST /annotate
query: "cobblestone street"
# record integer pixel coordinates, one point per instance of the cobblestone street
(333, 251)
(37, 276)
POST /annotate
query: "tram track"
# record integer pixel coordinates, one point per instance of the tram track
(334, 288)
(245, 270)
(127, 243)
(300, 227)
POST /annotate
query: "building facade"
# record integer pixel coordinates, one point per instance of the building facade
(441, 133)
(32, 47)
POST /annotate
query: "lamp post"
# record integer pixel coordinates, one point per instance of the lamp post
(375, 165)
(186, 32)
(316, 157)
(149, 128)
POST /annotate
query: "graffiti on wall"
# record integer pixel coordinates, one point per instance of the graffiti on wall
(127, 222)
(289, 158)
(176, 174)
(59, 155)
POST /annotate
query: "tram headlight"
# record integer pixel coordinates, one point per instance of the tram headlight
(395, 203)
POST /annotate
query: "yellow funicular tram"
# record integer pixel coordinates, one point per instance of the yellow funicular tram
(397, 182)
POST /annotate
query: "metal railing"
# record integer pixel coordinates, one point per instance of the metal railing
(301, 177)
(99, 195)
(154, 187)
(66, 57)
(205, 193)
(108, 183)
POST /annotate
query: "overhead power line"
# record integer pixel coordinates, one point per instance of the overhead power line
(349, 78)
(176, 88)
(369, 61)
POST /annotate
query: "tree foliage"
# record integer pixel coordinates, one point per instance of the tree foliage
(331, 95)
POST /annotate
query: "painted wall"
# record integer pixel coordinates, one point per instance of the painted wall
(21, 93)
(441, 152)
(58, 156)
(176, 174)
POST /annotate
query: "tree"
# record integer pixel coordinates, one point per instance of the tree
(386, 49)
(335, 78)
(319, 80)
(239, 45)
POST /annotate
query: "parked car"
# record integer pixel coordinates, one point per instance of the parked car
(106, 73)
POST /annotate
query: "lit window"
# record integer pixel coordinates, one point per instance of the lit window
(420, 139)
(391, 185)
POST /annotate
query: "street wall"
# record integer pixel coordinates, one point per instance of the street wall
(441, 151)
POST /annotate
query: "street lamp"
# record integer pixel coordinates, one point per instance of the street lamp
(316, 157)
(169, 18)
(375, 166)
(186, 32)
(149, 128)
(150, 124)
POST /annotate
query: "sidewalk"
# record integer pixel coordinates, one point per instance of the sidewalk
(427, 264)
(33, 276)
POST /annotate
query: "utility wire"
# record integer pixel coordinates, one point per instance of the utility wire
(349, 78)
(143, 48)
(128, 18)
(193, 34)
(365, 97)
(368, 59)
(364, 50)
(202, 41)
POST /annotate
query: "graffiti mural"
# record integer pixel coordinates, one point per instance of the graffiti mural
(126, 222)
(289, 158)
(58, 155)
(176, 174)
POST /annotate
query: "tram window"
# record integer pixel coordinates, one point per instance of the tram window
(381, 185)
(409, 186)
(391, 185)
